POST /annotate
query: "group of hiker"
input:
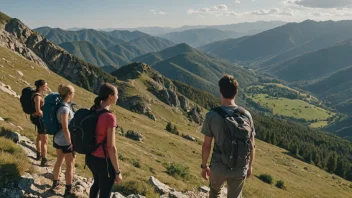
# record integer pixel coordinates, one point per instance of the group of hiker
(86, 131)
(92, 132)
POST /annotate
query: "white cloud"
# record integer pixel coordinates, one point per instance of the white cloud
(215, 9)
(320, 3)
(275, 11)
(237, 1)
(155, 12)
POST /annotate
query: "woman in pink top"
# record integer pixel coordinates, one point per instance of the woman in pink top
(103, 162)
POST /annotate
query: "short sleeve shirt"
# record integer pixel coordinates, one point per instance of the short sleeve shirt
(105, 121)
(214, 126)
(59, 137)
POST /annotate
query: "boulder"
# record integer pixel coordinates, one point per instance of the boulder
(177, 195)
(190, 138)
(20, 73)
(134, 135)
(204, 189)
(158, 186)
(135, 196)
(14, 136)
(116, 195)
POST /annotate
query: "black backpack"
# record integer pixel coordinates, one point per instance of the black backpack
(236, 147)
(82, 129)
(26, 100)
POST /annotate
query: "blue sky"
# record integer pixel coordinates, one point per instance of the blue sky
(170, 13)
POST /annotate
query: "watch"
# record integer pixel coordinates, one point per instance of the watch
(203, 167)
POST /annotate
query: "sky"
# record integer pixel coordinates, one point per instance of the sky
(169, 13)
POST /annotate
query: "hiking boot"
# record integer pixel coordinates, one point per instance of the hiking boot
(39, 157)
(56, 185)
(68, 192)
(44, 162)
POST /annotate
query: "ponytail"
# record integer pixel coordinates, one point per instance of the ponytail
(104, 92)
(97, 102)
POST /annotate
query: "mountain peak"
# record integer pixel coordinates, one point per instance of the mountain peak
(133, 71)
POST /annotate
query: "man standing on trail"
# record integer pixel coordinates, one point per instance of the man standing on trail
(233, 131)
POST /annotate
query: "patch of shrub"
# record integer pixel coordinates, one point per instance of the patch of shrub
(281, 184)
(135, 187)
(266, 178)
(136, 163)
(177, 170)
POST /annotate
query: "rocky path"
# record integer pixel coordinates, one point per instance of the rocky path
(39, 183)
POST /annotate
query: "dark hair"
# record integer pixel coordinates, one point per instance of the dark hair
(104, 92)
(39, 83)
(228, 86)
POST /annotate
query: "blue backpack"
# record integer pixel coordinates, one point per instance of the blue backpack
(51, 106)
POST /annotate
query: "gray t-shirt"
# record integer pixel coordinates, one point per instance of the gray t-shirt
(59, 137)
(214, 126)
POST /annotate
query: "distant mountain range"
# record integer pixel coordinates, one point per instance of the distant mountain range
(279, 44)
(247, 28)
(191, 66)
(199, 37)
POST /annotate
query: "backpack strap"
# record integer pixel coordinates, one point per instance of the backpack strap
(221, 112)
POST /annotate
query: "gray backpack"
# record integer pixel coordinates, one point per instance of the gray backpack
(236, 148)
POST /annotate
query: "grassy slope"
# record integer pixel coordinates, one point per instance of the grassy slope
(292, 108)
(93, 54)
(160, 147)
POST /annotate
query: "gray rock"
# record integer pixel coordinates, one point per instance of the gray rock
(135, 196)
(116, 195)
(2, 119)
(177, 195)
(26, 182)
(204, 189)
(196, 115)
(134, 135)
(190, 138)
(14, 136)
(20, 73)
(159, 187)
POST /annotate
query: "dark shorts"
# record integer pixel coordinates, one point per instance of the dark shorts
(64, 149)
(39, 124)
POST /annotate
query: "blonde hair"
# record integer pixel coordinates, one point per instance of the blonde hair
(64, 90)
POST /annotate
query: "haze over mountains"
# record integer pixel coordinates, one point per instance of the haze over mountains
(247, 28)
(175, 83)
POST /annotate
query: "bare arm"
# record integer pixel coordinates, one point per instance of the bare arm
(64, 124)
(206, 149)
(112, 149)
(38, 111)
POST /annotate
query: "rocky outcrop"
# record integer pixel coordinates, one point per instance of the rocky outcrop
(134, 135)
(196, 115)
(18, 37)
(7, 89)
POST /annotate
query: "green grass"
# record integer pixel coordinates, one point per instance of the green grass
(293, 108)
(13, 161)
(160, 147)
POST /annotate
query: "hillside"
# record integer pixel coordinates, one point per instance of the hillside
(315, 64)
(188, 65)
(282, 43)
(88, 52)
(200, 37)
(140, 46)
(302, 179)
(126, 35)
(58, 36)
